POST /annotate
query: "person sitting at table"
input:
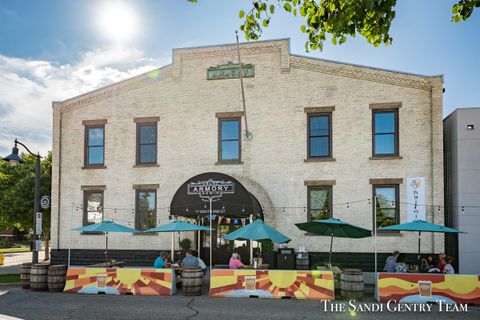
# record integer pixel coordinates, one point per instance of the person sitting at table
(391, 262)
(448, 268)
(190, 261)
(235, 262)
(161, 261)
(441, 261)
(400, 265)
(427, 264)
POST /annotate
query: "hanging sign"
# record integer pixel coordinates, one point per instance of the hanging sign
(416, 199)
(210, 189)
(38, 223)
(38, 245)
(230, 71)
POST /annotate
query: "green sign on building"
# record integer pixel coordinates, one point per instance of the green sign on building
(230, 71)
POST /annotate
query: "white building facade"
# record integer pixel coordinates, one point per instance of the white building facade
(325, 137)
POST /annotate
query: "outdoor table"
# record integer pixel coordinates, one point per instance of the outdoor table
(428, 287)
(295, 284)
(129, 280)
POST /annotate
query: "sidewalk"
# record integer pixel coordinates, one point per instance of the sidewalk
(13, 261)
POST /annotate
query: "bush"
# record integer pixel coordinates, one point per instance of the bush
(6, 242)
(185, 244)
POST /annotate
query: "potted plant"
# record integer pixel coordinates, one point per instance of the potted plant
(185, 244)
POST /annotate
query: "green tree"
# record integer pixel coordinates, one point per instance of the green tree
(337, 18)
(17, 185)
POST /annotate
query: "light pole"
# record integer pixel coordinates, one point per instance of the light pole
(15, 159)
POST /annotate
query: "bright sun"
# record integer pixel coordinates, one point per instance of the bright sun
(117, 21)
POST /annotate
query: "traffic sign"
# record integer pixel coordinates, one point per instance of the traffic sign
(45, 202)
(38, 223)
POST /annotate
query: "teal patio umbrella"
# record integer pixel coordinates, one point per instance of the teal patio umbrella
(177, 226)
(105, 227)
(257, 231)
(334, 228)
(421, 226)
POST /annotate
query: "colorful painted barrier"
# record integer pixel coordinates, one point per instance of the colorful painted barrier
(136, 281)
(313, 285)
(428, 287)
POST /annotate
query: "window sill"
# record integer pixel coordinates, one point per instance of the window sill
(99, 166)
(145, 233)
(386, 158)
(326, 159)
(146, 165)
(221, 163)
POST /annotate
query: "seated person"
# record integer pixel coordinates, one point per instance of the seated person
(235, 262)
(161, 261)
(391, 262)
(190, 261)
(448, 268)
(427, 263)
(401, 266)
(441, 262)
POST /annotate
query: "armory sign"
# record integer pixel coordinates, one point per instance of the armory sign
(210, 189)
(230, 71)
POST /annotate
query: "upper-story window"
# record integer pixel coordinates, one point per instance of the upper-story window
(146, 143)
(92, 206)
(95, 145)
(319, 203)
(385, 133)
(229, 142)
(387, 208)
(146, 209)
(319, 135)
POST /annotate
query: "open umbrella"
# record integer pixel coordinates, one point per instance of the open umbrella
(334, 228)
(177, 226)
(421, 226)
(257, 231)
(105, 227)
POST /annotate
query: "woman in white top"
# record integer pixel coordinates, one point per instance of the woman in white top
(448, 268)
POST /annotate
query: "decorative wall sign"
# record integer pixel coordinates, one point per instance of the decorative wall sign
(230, 71)
(416, 198)
(210, 189)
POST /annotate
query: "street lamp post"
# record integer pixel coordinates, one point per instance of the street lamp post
(14, 159)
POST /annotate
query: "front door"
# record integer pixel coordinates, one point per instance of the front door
(222, 248)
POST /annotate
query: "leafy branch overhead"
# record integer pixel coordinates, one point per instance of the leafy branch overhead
(337, 18)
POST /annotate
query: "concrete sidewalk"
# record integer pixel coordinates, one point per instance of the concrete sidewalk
(13, 261)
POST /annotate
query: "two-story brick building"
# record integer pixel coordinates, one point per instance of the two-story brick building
(324, 138)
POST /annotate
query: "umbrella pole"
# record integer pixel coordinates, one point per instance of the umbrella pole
(173, 249)
(106, 248)
(330, 255)
(419, 238)
(211, 242)
(199, 243)
(251, 252)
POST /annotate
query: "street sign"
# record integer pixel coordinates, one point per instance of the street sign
(45, 202)
(38, 223)
(38, 245)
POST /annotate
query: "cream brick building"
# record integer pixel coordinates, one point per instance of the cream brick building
(275, 165)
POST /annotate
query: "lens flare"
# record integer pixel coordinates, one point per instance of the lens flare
(117, 21)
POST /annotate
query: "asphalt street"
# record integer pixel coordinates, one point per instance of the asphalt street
(25, 304)
(13, 261)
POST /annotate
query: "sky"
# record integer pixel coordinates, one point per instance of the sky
(52, 50)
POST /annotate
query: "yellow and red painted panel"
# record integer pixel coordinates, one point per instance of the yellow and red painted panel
(313, 285)
(135, 281)
(428, 287)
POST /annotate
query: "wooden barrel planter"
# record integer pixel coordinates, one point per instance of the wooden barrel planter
(351, 284)
(192, 280)
(302, 261)
(38, 277)
(56, 278)
(25, 275)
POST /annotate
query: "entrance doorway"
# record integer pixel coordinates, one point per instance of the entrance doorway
(232, 207)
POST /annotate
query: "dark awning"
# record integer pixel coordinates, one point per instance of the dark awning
(230, 198)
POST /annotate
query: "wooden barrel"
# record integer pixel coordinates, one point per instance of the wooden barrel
(25, 275)
(302, 261)
(56, 278)
(38, 277)
(351, 284)
(192, 280)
